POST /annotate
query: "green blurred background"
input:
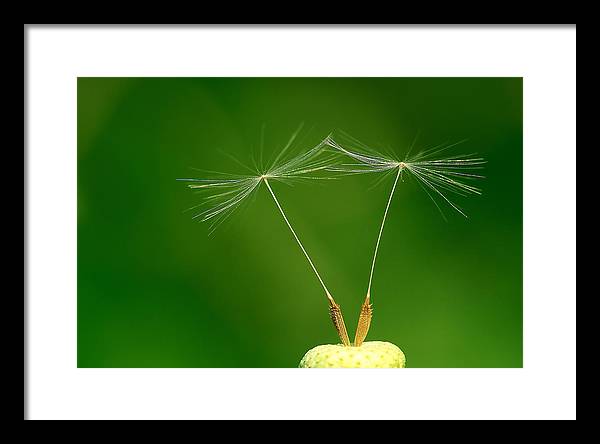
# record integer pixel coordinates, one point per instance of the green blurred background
(154, 290)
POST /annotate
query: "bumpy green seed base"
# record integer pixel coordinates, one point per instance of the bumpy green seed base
(374, 354)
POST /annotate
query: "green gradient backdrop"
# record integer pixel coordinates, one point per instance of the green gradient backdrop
(155, 291)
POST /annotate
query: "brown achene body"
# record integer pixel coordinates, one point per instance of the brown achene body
(364, 322)
(338, 321)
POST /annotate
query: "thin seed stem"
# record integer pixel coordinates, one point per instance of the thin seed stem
(366, 310)
(298, 240)
(387, 207)
(335, 311)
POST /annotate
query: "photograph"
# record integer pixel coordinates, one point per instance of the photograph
(299, 222)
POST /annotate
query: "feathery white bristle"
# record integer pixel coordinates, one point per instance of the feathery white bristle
(438, 176)
(221, 197)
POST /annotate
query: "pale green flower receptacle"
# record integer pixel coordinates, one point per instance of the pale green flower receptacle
(374, 354)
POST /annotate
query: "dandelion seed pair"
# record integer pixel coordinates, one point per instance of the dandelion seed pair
(222, 196)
